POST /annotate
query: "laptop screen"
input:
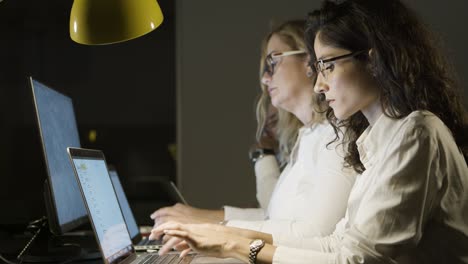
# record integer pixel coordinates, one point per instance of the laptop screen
(103, 207)
(124, 205)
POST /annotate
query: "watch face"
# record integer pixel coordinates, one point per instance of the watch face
(257, 243)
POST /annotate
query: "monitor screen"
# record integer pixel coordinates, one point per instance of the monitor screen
(124, 205)
(103, 206)
(58, 130)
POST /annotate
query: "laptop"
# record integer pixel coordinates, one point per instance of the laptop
(106, 217)
(105, 214)
(140, 242)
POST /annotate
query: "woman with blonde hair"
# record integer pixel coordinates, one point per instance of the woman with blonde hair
(277, 131)
(311, 193)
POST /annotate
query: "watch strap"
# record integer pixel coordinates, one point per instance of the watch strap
(254, 249)
(259, 153)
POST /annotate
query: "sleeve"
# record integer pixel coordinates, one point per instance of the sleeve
(251, 214)
(285, 255)
(289, 230)
(394, 208)
(317, 252)
(267, 172)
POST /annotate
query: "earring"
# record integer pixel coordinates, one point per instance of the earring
(309, 73)
(373, 71)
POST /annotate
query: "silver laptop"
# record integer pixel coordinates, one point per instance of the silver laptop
(140, 242)
(105, 214)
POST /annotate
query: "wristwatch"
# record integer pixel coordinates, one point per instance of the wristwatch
(255, 246)
(259, 153)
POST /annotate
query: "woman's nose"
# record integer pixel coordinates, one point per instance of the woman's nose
(320, 86)
(266, 78)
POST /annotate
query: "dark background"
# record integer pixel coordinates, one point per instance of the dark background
(199, 75)
(125, 92)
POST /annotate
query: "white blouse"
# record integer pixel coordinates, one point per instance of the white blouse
(310, 195)
(267, 172)
(409, 206)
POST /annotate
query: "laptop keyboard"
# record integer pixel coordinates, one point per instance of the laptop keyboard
(166, 259)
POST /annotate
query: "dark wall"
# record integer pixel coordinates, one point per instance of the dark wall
(448, 21)
(125, 92)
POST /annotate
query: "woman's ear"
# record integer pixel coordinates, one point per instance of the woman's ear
(307, 63)
(371, 53)
(307, 60)
(309, 70)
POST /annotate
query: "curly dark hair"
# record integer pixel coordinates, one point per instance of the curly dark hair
(405, 61)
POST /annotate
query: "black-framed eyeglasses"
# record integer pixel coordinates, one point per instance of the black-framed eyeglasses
(326, 66)
(274, 58)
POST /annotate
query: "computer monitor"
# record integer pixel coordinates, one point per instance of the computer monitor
(58, 130)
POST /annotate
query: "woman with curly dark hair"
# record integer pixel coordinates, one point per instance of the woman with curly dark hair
(392, 94)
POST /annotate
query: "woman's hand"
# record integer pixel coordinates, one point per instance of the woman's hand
(186, 214)
(208, 239)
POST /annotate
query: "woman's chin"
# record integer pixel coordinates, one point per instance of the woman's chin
(343, 115)
(340, 115)
(275, 103)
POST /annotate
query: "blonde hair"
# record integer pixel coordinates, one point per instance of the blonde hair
(292, 34)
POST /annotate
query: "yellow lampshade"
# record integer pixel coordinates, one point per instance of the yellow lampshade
(97, 22)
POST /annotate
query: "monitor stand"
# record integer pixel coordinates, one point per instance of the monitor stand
(47, 247)
(44, 243)
(40, 241)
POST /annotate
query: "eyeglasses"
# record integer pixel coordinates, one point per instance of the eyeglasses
(275, 57)
(327, 66)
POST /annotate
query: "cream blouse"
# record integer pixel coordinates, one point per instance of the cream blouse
(409, 206)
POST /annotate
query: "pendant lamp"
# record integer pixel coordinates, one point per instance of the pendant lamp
(99, 22)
